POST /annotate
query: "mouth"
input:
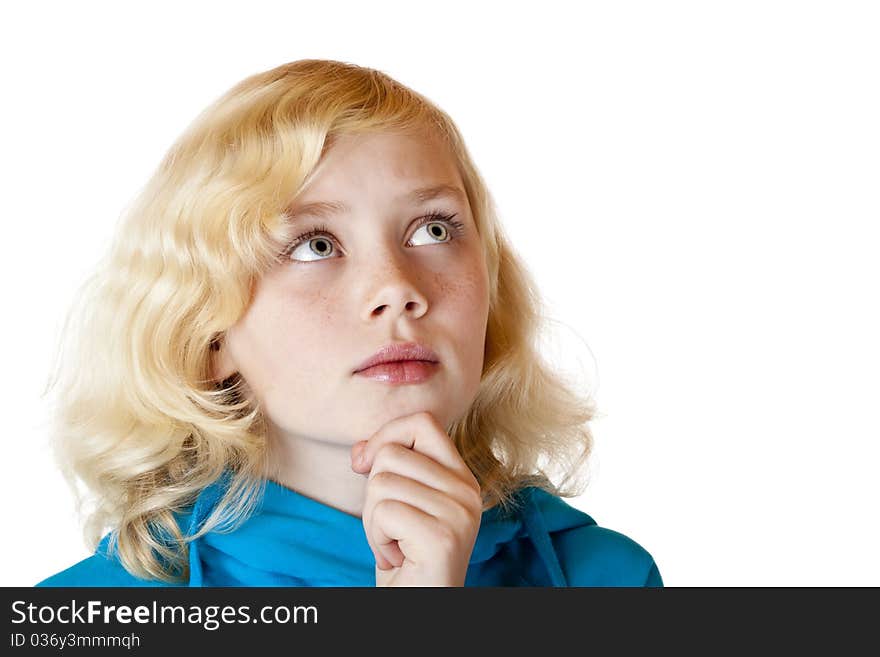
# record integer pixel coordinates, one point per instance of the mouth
(398, 354)
(400, 371)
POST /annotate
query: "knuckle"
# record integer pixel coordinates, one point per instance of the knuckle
(388, 452)
(478, 496)
(475, 501)
(425, 418)
(384, 478)
(380, 456)
(472, 495)
(394, 451)
(464, 515)
(384, 507)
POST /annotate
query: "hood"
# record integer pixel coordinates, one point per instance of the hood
(293, 540)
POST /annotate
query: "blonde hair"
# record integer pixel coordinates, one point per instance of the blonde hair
(139, 426)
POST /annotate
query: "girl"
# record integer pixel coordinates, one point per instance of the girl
(309, 359)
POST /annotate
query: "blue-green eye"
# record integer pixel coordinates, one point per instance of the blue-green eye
(320, 244)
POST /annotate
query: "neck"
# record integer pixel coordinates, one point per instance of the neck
(317, 469)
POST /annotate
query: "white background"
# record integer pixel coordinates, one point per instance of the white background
(693, 184)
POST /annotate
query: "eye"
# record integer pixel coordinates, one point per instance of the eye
(437, 231)
(313, 245)
(319, 242)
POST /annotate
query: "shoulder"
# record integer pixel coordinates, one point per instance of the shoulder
(100, 569)
(590, 555)
(598, 556)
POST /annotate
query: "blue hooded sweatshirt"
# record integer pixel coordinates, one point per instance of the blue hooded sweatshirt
(294, 540)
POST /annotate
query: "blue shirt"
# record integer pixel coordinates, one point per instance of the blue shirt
(293, 540)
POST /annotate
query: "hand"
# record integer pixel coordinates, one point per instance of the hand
(423, 505)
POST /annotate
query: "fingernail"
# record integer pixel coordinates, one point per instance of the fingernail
(359, 453)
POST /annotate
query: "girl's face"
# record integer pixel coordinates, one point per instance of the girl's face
(371, 274)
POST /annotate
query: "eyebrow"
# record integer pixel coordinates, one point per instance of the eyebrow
(324, 209)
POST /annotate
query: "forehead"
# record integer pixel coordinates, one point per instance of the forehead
(391, 161)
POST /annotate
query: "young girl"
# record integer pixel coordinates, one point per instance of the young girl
(310, 359)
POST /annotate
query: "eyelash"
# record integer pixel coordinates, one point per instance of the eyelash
(458, 229)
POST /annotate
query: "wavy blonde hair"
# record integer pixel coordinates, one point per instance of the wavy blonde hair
(139, 426)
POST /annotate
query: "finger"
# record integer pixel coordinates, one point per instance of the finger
(393, 556)
(393, 486)
(390, 485)
(412, 528)
(420, 432)
(385, 556)
(398, 459)
(446, 513)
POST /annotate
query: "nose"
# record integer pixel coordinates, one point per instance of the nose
(395, 292)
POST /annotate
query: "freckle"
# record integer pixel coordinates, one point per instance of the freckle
(326, 306)
(459, 287)
(452, 286)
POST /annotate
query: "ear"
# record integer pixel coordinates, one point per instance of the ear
(222, 365)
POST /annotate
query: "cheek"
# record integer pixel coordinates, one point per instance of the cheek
(467, 296)
(468, 288)
(290, 327)
(310, 326)
(463, 291)
(315, 309)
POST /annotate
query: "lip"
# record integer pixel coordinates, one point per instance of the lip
(399, 353)
(401, 371)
